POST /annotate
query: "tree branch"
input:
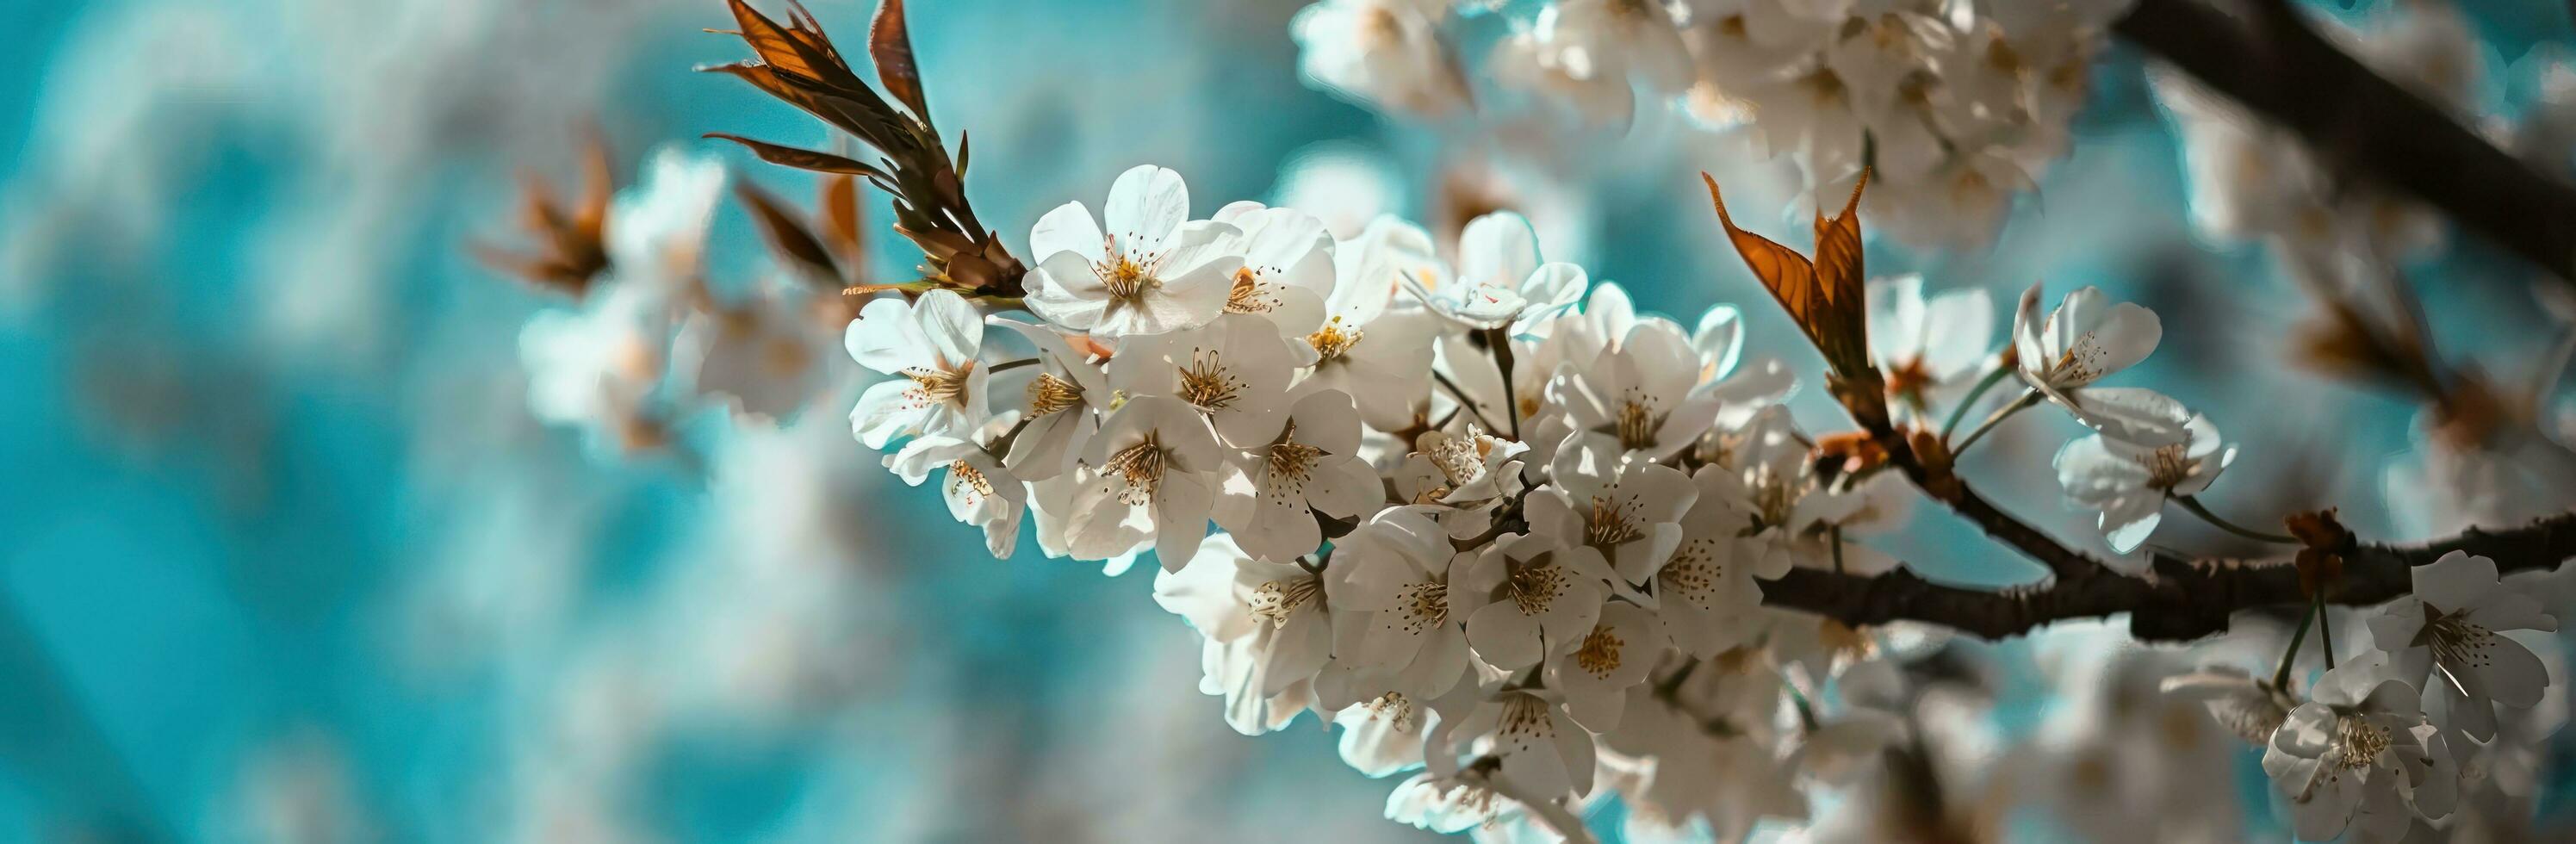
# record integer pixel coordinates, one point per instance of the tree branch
(2179, 599)
(2358, 122)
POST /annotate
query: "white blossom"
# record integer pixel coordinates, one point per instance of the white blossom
(2128, 484)
(933, 343)
(1525, 596)
(1152, 271)
(1382, 52)
(2084, 340)
(1157, 463)
(2446, 638)
(979, 491)
(2355, 748)
(1274, 493)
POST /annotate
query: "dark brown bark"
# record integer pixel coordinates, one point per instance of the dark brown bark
(2361, 124)
(2179, 599)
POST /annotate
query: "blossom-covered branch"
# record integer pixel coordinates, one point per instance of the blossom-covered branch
(2185, 599)
(2275, 64)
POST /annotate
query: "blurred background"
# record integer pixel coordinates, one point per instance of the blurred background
(284, 556)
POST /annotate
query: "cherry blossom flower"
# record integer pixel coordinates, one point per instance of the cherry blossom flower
(1623, 515)
(2085, 339)
(1926, 345)
(1152, 272)
(1061, 508)
(1641, 399)
(1616, 40)
(1383, 735)
(598, 367)
(2248, 707)
(1274, 492)
(1275, 612)
(2356, 746)
(1381, 52)
(1287, 272)
(1156, 459)
(1597, 671)
(1501, 280)
(1461, 479)
(1065, 400)
(763, 357)
(978, 490)
(2129, 484)
(1235, 370)
(1706, 594)
(1392, 578)
(1542, 750)
(932, 343)
(2446, 637)
(1530, 597)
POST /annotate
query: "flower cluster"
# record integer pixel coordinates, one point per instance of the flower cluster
(648, 341)
(1478, 511)
(1959, 106)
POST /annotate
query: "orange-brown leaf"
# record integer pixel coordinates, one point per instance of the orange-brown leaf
(801, 159)
(840, 221)
(795, 49)
(890, 43)
(1838, 252)
(1789, 276)
(787, 234)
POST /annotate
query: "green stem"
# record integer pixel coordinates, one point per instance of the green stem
(1463, 401)
(2281, 677)
(1960, 413)
(2325, 630)
(2027, 399)
(1498, 342)
(2193, 504)
(1010, 365)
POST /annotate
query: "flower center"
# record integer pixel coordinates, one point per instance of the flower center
(2456, 642)
(2080, 363)
(1611, 523)
(1636, 424)
(1142, 465)
(1525, 715)
(1693, 573)
(1421, 606)
(1534, 588)
(1909, 380)
(1460, 459)
(1249, 296)
(1207, 384)
(968, 483)
(2358, 742)
(1290, 461)
(2166, 466)
(946, 386)
(1396, 709)
(1048, 394)
(1599, 653)
(1127, 275)
(1278, 599)
(1333, 341)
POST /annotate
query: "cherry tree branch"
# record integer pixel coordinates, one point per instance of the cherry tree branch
(2360, 123)
(2178, 599)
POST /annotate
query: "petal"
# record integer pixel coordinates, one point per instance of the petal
(1145, 205)
(1499, 249)
(886, 337)
(1068, 228)
(954, 329)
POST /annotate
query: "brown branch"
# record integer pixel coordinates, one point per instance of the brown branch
(2179, 599)
(2360, 123)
